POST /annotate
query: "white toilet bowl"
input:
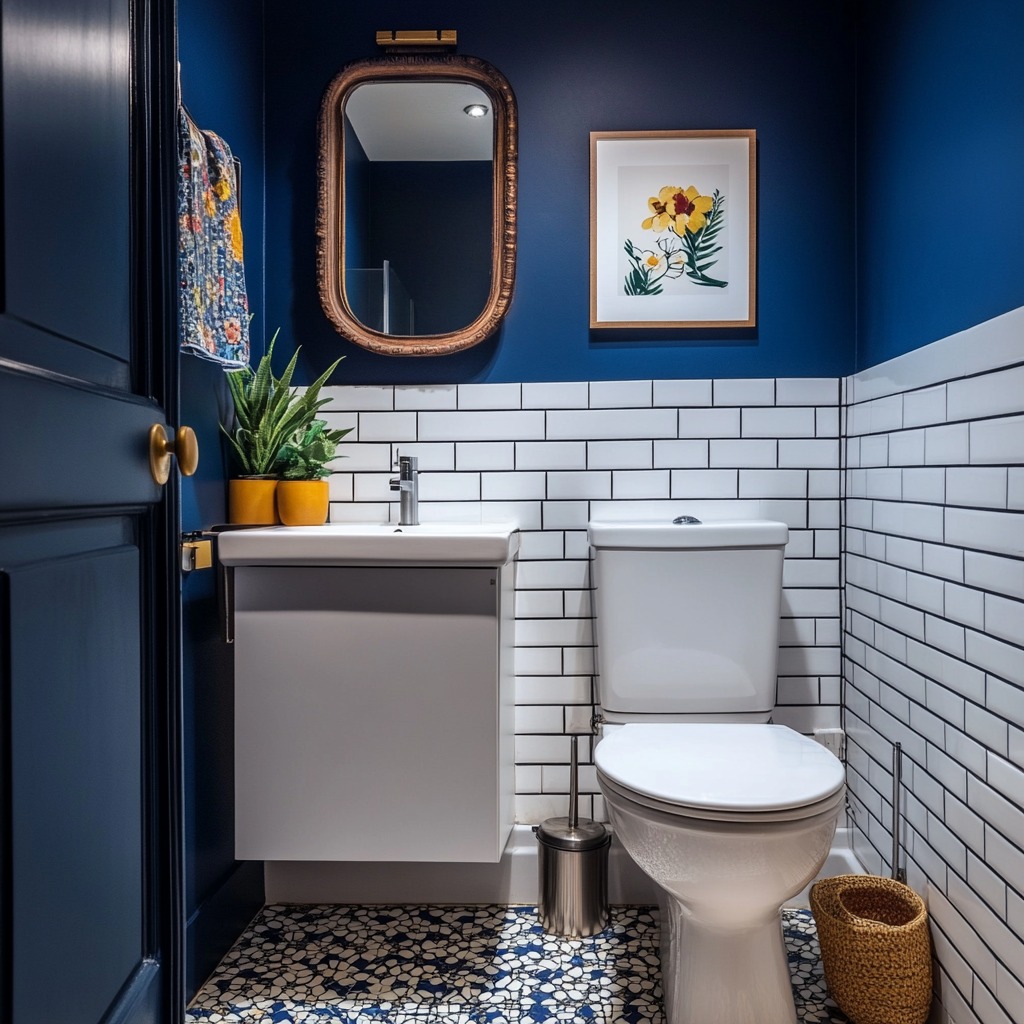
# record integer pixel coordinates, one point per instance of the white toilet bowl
(730, 820)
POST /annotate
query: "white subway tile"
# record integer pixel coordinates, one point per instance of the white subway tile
(884, 414)
(681, 393)
(557, 575)
(554, 633)
(485, 455)
(778, 422)
(819, 454)
(620, 394)
(490, 396)
(640, 483)
(734, 453)
(1004, 618)
(528, 778)
(518, 486)
(924, 484)
(907, 519)
(978, 486)
(365, 512)
(538, 718)
(906, 448)
(552, 690)
(924, 407)
(928, 594)
(343, 421)
(428, 396)
(773, 483)
(578, 661)
(485, 425)
(705, 483)
(989, 394)
(946, 562)
(810, 602)
(358, 398)
(526, 514)
(556, 395)
(823, 483)
(823, 514)
(999, 532)
(994, 573)
(542, 749)
(578, 604)
(806, 391)
(740, 391)
(372, 487)
(577, 543)
(594, 424)
(433, 457)
(360, 458)
(882, 483)
(709, 423)
(387, 426)
(826, 422)
(565, 515)
(874, 450)
(619, 454)
(339, 487)
(681, 454)
(551, 455)
(537, 661)
(810, 572)
(534, 604)
(1015, 488)
(796, 513)
(578, 485)
(947, 446)
(449, 487)
(999, 441)
(946, 636)
(541, 544)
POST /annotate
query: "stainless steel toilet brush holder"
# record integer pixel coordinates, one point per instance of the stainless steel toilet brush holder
(573, 869)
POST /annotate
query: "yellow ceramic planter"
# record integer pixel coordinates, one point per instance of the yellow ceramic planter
(303, 502)
(251, 501)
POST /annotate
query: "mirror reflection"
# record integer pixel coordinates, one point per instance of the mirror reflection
(418, 185)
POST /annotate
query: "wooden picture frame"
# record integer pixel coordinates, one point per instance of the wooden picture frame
(673, 237)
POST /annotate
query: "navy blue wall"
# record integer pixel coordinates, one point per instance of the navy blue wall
(221, 53)
(940, 190)
(589, 65)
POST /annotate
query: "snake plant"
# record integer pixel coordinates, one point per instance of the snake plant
(269, 412)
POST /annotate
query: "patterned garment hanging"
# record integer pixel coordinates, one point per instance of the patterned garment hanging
(214, 308)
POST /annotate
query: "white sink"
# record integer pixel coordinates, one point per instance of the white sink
(372, 544)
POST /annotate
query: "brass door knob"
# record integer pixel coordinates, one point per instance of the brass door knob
(184, 448)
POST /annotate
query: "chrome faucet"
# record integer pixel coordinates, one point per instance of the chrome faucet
(408, 487)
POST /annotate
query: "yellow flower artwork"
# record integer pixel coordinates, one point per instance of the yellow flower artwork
(693, 222)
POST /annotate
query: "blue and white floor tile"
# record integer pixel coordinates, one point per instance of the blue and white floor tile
(460, 965)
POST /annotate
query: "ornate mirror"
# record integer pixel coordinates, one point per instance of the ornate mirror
(416, 221)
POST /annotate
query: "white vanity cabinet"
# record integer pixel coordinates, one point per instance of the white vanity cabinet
(373, 711)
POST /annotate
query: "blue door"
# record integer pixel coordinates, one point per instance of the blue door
(89, 819)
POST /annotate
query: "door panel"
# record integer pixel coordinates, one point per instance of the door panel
(66, 169)
(89, 816)
(77, 783)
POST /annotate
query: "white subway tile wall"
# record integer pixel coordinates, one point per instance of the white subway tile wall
(551, 456)
(934, 628)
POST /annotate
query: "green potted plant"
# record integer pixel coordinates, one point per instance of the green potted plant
(268, 412)
(303, 497)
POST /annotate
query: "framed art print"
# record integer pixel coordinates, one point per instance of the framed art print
(673, 229)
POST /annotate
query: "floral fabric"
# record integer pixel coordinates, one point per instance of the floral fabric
(214, 309)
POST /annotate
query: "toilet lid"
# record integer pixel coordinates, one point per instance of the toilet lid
(739, 767)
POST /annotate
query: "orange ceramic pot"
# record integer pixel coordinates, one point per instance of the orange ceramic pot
(303, 502)
(251, 501)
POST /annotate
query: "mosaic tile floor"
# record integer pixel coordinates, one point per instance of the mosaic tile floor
(460, 965)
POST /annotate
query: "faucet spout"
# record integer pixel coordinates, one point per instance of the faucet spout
(408, 486)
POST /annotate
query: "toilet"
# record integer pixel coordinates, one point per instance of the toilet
(729, 814)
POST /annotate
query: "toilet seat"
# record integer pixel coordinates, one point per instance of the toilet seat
(721, 771)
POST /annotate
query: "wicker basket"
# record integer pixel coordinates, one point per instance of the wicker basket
(875, 948)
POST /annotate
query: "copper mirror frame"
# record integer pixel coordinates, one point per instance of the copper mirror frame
(331, 199)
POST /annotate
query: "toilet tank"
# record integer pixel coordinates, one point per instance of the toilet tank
(687, 618)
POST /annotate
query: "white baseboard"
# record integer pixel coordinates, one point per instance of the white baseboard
(514, 879)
